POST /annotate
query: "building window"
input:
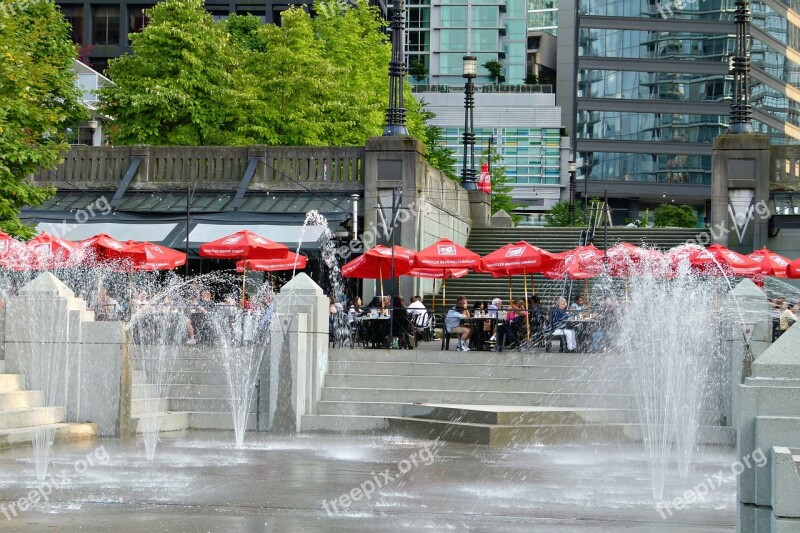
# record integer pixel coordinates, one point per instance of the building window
(453, 40)
(454, 17)
(74, 15)
(105, 22)
(100, 64)
(136, 18)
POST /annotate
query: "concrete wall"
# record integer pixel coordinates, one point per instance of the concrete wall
(766, 413)
(55, 343)
(432, 206)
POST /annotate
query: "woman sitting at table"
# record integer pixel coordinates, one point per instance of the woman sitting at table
(400, 324)
(559, 324)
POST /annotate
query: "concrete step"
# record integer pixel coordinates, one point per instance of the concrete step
(344, 424)
(558, 399)
(64, 433)
(10, 382)
(170, 421)
(18, 400)
(475, 371)
(183, 391)
(188, 377)
(37, 416)
(509, 384)
(179, 421)
(198, 364)
(505, 358)
(189, 405)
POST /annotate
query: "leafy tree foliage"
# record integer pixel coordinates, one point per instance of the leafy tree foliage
(531, 79)
(176, 88)
(675, 216)
(495, 69)
(38, 101)
(417, 69)
(559, 216)
(501, 189)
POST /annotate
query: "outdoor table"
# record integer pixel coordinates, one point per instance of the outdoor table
(584, 327)
(479, 335)
(375, 327)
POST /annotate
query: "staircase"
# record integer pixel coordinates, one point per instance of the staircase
(486, 398)
(483, 287)
(198, 396)
(21, 411)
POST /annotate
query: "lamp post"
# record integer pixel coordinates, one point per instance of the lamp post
(396, 113)
(572, 168)
(741, 111)
(468, 170)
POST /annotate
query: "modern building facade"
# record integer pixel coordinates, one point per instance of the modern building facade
(441, 32)
(645, 87)
(525, 130)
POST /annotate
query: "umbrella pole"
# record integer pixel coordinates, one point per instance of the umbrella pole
(509, 289)
(527, 317)
(586, 290)
(444, 291)
(244, 279)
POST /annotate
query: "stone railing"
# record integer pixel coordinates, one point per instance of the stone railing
(209, 167)
(784, 168)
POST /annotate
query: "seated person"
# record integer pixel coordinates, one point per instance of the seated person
(788, 317)
(400, 322)
(518, 327)
(559, 324)
(607, 319)
(452, 324)
(416, 309)
(578, 305)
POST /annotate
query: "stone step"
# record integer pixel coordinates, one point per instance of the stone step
(170, 421)
(344, 423)
(505, 358)
(64, 433)
(190, 377)
(556, 399)
(509, 384)
(18, 400)
(37, 416)
(184, 391)
(179, 421)
(191, 405)
(10, 382)
(475, 371)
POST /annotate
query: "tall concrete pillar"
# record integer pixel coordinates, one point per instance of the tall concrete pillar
(740, 191)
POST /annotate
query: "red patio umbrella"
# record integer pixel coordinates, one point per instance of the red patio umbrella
(290, 262)
(106, 248)
(714, 260)
(772, 264)
(157, 257)
(376, 263)
(625, 259)
(48, 251)
(7, 243)
(581, 262)
(444, 253)
(438, 273)
(520, 258)
(244, 244)
(793, 270)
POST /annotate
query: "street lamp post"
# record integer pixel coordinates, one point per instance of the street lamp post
(572, 168)
(741, 110)
(396, 113)
(468, 170)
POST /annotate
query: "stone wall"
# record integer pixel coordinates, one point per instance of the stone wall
(766, 411)
(210, 167)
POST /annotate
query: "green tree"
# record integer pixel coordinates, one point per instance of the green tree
(436, 151)
(675, 216)
(559, 217)
(38, 101)
(177, 87)
(501, 189)
(417, 69)
(495, 69)
(531, 79)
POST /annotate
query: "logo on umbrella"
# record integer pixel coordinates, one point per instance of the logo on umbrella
(446, 249)
(733, 258)
(232, 240)
(515, 252)
(778, 260)
(114, 244)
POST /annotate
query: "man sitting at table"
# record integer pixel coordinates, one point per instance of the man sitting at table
(452, 324)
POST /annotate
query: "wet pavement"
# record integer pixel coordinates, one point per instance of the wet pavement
(200, 482)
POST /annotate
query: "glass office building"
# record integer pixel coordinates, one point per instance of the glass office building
(651, 89)
(441, 32)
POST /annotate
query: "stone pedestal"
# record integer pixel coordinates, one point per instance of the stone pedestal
(768, 419)
(299, 353)
(55, 343)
